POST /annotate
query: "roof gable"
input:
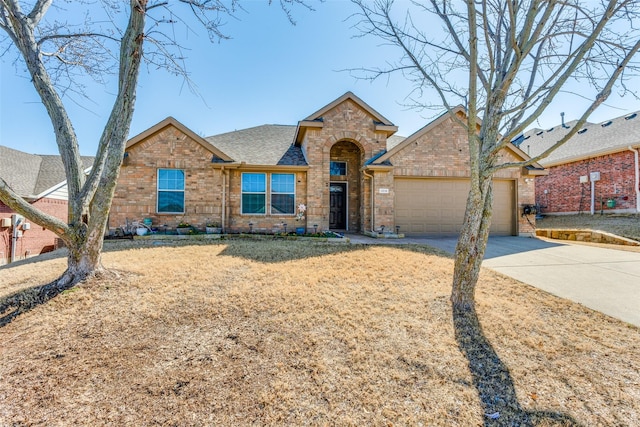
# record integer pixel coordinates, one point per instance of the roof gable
(170, 121)
(458, 111)
(349, 95)
(315, 120)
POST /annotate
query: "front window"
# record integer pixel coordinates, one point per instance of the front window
(254, 192)
(170, 191)
(338, 168)
(283, 193)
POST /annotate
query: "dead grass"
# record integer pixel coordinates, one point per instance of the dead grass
(290, 333)
(626, 225)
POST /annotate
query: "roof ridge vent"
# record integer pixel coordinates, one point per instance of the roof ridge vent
(583, 130)
(549, 130)
(631, 116)
(607, 123)
(539, 133)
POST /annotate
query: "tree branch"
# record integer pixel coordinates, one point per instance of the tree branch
(38, 11)
(19, 205)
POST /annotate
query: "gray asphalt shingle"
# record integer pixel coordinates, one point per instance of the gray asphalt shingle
(31, 174)
(259, 145)
(592, 139)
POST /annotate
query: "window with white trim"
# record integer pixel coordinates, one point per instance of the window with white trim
(283, 194)
(170, 191)
(254, 193)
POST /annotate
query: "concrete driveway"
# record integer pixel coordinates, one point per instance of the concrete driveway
(606, 280)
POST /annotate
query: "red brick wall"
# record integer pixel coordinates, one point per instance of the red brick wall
(562, 192)
(37, 239)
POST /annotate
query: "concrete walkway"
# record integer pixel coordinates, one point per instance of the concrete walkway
(604, 279)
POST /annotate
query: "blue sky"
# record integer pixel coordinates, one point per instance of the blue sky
(269, 72)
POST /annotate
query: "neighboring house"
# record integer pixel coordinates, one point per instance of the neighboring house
(595, 171)
(40, 180)
(343, 162)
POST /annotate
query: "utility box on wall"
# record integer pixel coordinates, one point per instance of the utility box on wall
(5, 222)
(594, 176)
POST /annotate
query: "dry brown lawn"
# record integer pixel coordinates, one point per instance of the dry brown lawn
(626, 225)
(290, 333)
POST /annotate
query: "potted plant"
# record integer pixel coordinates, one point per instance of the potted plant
(184, 227)
(213, 228)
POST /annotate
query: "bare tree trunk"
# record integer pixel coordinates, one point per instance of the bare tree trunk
(471, 245)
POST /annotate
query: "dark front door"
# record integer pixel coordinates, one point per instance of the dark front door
(338, 205)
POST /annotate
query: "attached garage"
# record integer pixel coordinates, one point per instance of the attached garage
(435, 206)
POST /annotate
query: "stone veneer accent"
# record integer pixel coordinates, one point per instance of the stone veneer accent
(593, 236)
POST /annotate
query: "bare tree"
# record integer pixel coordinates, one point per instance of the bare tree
(506, 61)
(57, 53)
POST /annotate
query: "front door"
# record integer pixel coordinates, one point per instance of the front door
(338, 205)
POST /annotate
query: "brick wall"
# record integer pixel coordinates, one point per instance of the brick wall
(267, 223)
(562, 192)
(346, 122)
(443, 152)
(350, 153)
(136, 193)
(37, 239)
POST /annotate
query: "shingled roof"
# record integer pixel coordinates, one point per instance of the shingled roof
(30, 175)
(268, 145)
(259, 145)
(593, 139)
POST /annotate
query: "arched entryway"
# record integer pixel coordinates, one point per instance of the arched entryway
(345, 187)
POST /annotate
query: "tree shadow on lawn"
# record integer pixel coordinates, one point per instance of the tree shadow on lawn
(493, 381)
(26, 300)
(274, 251)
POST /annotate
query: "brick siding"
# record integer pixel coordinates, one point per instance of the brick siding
(264, 223)
(347, 122)
(37, 239)
(562, 192)
(136, 193)
(443, 152)
(348, 134)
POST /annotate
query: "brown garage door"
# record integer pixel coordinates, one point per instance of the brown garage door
(433, 206)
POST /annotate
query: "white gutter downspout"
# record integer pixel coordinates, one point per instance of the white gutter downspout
(637, 173)
(373, 214)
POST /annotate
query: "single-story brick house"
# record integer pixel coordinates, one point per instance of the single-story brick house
(40, 180)
(343, 162)
(597, 170)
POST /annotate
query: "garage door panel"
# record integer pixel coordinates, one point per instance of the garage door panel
(436, 206)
